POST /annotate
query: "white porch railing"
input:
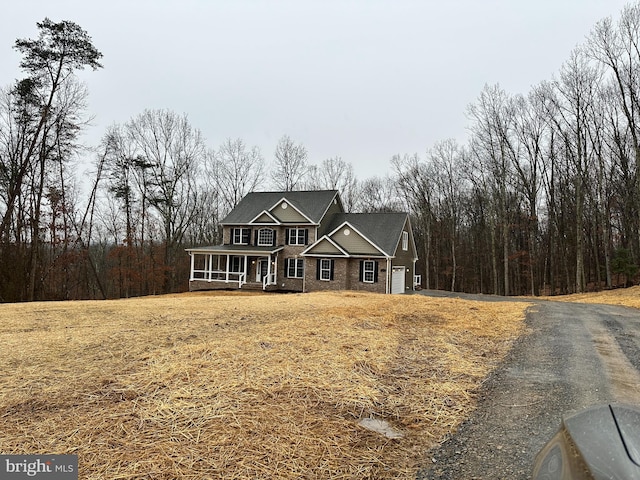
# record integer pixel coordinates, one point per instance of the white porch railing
(268, 280)
(214, 268)
(417, 280)
(220, 276)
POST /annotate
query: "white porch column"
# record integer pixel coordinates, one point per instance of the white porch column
(275, 273)
(191, 277)
(268, 272)
(227, 268)
(389, 274)
(246, 260)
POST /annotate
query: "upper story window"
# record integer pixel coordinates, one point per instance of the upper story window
(265, 237)
(240, 236)
(297, 236)
(405, 240)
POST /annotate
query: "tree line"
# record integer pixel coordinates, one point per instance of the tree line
(544, 197)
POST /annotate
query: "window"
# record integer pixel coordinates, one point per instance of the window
(237, 264)
(295, 267)
(405, 240)
(297, 236)
(265, 237)
(325, 269)
(368, 271)
(240, 236)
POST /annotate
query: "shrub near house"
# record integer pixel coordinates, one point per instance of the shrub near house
(303, 242)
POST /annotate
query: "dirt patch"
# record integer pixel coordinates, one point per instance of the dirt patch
(624, 378)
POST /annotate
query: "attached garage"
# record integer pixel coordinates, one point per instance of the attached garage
(397, 280)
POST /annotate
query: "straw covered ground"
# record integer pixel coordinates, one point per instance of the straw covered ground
(221, 385)
(626, 297)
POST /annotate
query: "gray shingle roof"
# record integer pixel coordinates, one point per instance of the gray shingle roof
(313, 204)
(384, 229)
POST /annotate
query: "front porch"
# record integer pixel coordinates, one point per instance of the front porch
(229, 267)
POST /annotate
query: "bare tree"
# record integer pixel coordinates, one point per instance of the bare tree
(617, 47)
(290, 166)
(619, 50)
(170, 153)
(49, 63)
(34, 180)
(334, 174)
(527, 157)
(416, 184)
(576, 91)
(447, 158)
(119, 164)
(492, 130)
(379, 194)
(234, 170)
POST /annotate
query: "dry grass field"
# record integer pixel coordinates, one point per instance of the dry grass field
(625, 297)
(240, 386)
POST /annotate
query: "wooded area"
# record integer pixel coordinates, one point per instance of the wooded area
(543, 198)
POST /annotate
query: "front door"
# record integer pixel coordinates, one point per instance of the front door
(262, 270)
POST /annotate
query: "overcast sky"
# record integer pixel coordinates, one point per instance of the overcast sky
(358, 79)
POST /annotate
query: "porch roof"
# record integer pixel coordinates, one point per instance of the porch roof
(235, 250)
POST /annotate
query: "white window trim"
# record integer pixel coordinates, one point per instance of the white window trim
(325, 269)
(371, 270)
(238, 233)
(298, 235)
(261, 240)
(298, 264)
(405, 241)
(240, 260)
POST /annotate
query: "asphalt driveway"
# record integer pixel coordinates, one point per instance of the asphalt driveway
(575, 356)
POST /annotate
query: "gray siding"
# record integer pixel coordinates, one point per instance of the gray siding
(324, 223)
(405, 258)
(287, 215)
(354, 243)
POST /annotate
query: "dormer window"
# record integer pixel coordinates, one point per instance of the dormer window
(265, 237)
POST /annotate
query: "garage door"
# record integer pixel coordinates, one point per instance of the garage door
(397, 280)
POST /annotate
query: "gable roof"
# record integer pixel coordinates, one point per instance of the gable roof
(311, 204)
(325, 247)
(383, 229)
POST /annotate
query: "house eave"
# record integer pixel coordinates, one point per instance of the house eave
(234, 250)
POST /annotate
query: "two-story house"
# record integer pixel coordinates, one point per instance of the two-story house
(304, 241)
